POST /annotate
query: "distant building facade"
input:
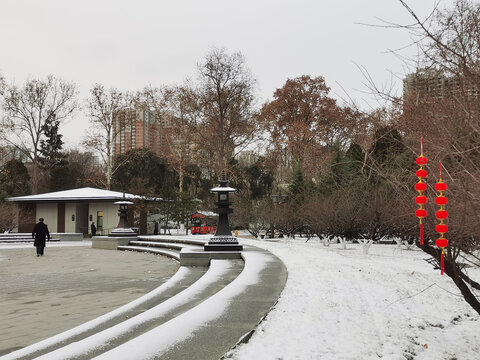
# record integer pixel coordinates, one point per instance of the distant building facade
(247, 158)
(437, 85)
(136, 129)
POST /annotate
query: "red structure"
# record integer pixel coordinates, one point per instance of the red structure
(203, 222)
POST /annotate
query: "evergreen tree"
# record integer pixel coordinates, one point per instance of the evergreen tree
(260, 181)
(51, 154)
(142, 172)
(52, 160)
(14, 179)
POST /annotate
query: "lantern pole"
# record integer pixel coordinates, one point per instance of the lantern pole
(223, 239)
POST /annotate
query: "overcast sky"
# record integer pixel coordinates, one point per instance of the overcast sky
(129, 44)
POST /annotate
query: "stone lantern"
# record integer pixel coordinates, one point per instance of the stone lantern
(123, 229)
(223, 239)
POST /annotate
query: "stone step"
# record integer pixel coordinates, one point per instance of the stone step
(200, 257)
(159, 244)
(213, 327)
(220, 274)
(202, 320)
(174, 239)
(183, 279)
(149, 249)
(21, 240)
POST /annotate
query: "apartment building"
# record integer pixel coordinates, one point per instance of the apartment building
(135, 129)
(437, 85)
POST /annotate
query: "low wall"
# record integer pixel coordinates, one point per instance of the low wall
(67, 236)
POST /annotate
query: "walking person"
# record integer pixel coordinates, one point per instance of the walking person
(155, 227)
(40, 233)
(93, 228)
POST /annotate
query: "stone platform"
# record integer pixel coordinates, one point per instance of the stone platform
(199, 257)
(111, 243)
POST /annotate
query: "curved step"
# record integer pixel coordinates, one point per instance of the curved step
(219, 275)
(173, 254)
(159, 244)
(182, 279)
(204, 321)
(23, 240)
(174, 239)
(212, 328)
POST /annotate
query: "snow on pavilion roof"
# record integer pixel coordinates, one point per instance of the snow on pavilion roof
(86, 193)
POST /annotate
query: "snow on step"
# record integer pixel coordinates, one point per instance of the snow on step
(105, 338)
(168, 253)
(22, 240)
(200, 239)
(167, 245)
(182, 273)
(155, 343)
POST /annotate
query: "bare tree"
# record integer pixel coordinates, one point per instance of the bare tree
(440, 104)
(2, 84)
(8, 217)
(103, 105)
(450, 47)
(176, 121)
(28, 108)
(224, 100)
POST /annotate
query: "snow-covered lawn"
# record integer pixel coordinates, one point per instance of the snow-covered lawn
(342, 304)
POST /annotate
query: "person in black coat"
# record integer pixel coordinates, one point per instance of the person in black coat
(40, 233)
(93, 228)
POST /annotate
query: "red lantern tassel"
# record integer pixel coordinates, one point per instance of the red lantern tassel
(421, 234)
(442, 262)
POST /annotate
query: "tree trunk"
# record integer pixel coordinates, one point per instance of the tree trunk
(181, 176)
(35, 176)
(454, 272)
(326, 241)
(109, 166)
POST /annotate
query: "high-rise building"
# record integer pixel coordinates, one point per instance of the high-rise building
(437, 85)
(135, 129)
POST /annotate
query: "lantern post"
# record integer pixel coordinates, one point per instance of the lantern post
(123, 229)
(223, 239)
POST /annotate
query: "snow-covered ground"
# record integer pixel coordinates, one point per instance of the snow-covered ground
(342, 304)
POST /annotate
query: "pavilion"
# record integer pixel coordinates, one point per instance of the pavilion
(71, 211)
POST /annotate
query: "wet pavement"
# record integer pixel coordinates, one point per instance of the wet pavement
(69, 285)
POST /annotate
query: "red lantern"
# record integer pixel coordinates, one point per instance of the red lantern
(421, 199)
(441, 242)
(441, 200)
(420, 186)
(421, 160)
(441, 214)
(421, 213)
(440, 186)
(422, 173)
(441, 228)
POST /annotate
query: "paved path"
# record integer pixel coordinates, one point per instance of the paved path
(43, 296)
